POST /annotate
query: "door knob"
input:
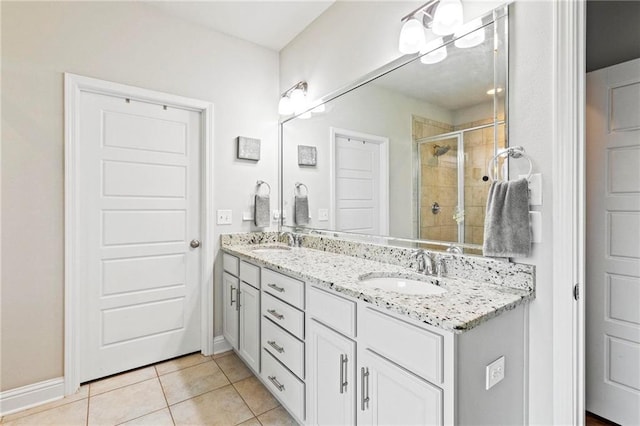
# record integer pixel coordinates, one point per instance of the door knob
(194, 244)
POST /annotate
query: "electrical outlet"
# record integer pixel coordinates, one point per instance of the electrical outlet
(224, 217)
(323, 215)
(495, 372)
(247, 215)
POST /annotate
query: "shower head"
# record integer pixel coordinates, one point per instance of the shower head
(439, 150)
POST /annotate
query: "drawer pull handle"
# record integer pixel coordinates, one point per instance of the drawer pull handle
(275, 346)
(275, 314)
(233, 290)
(276, 288)
(238, 299)
(276, 383)
(343, 372)
(364, 377)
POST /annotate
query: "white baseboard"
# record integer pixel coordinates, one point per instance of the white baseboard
(29, 396)
(220, 345)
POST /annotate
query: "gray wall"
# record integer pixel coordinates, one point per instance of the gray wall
(130, 43)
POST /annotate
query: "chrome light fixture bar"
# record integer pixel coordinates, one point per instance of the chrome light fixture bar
(294, 99)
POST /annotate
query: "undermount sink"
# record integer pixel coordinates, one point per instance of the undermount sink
(271, 249)
(401, 283)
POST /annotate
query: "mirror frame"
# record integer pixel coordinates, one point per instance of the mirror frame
(501, 12)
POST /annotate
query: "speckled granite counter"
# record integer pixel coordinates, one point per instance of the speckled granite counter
(465, 305)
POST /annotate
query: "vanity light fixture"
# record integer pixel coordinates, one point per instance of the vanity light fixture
(443, 17)
(294, 99)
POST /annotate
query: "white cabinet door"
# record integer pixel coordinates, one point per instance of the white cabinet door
(331, 377)
(390, 395)
(249, 302)
(230, 308)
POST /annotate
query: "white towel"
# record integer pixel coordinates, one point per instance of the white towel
(507, 231)
(261, 210)
(301, 208)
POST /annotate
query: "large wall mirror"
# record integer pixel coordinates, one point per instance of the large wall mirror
(403, 153)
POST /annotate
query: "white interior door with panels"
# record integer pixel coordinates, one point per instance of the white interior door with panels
(139, 277)
(360, 182)
(613, 243)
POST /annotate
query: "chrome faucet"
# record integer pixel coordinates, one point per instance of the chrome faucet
(293, 240)
(425, 262)
(441, 266)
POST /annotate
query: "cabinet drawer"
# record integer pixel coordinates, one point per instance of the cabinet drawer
(414, 348)
(282, 383)
(283, 346)
(284, 315)
(283, 287)
(230, 264)
(250, 274)
(334, 311)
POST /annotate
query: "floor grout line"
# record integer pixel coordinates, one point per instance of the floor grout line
(166, 400)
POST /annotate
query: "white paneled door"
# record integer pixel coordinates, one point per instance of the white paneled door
(360, 177)
(139, 198)
(613, 243)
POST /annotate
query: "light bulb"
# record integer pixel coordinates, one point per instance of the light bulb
(448, 17)
(411, 37)
(284, 106)
(298, 100)
(433, 56)
(471, 39)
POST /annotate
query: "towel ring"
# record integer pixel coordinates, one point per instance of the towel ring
(513, 152)
(259, 184)
(298, 185)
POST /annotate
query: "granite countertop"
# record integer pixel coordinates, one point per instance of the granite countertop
(463, 306)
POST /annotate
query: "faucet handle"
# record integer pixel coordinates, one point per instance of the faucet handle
(440, 264)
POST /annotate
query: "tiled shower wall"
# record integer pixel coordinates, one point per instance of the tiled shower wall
(438, 179)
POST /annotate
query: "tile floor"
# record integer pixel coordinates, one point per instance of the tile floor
(190, 390)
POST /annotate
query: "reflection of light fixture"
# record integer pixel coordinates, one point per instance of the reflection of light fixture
(494, 91)
(474, 34)
(442, 16)
(434, 56)
(294, 100)
(319, 109)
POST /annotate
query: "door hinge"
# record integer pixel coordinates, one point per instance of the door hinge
(576, 291)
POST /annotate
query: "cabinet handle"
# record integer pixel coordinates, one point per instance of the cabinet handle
(343, 372)
(233, 290)
(275, 346)
(275, 314)
(276, 383)
(275, 287)
(364, 388)
(238, 297)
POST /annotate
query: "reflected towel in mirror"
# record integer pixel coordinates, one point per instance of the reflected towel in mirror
(261, 210)
(301, 207)
(507, 231)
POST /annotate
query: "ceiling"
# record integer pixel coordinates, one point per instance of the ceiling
(272, 24)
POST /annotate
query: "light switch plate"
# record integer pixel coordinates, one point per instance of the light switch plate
(535, 189)
(323, 215)
(536, 226)
(495, 372)
(224, 217)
